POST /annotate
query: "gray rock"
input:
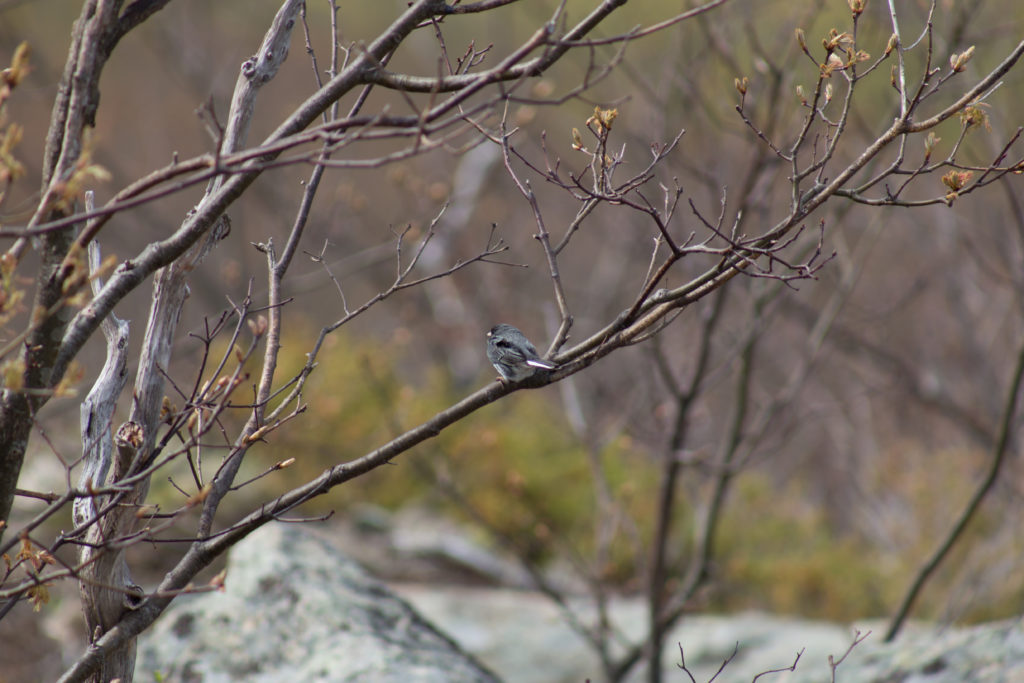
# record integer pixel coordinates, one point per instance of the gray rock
(546, 650)
(986, 653)
(524, 636)
(297, 609)
(418, 534)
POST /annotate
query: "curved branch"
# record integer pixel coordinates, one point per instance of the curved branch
(1006, 425)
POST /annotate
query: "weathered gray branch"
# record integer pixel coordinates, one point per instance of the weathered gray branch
(106, 581)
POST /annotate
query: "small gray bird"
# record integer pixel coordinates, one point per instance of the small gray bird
(512, 354)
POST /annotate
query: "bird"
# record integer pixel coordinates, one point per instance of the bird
(512, 354)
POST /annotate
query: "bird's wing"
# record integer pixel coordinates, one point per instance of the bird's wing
(510, 350)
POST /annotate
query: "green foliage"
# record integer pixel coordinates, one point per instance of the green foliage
(355, 402)
(516, 469)
(780, 554)
(526, 476)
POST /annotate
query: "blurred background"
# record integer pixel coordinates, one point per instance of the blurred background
(862, 406)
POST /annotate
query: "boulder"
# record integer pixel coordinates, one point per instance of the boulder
(295, 608)
(525, 637)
